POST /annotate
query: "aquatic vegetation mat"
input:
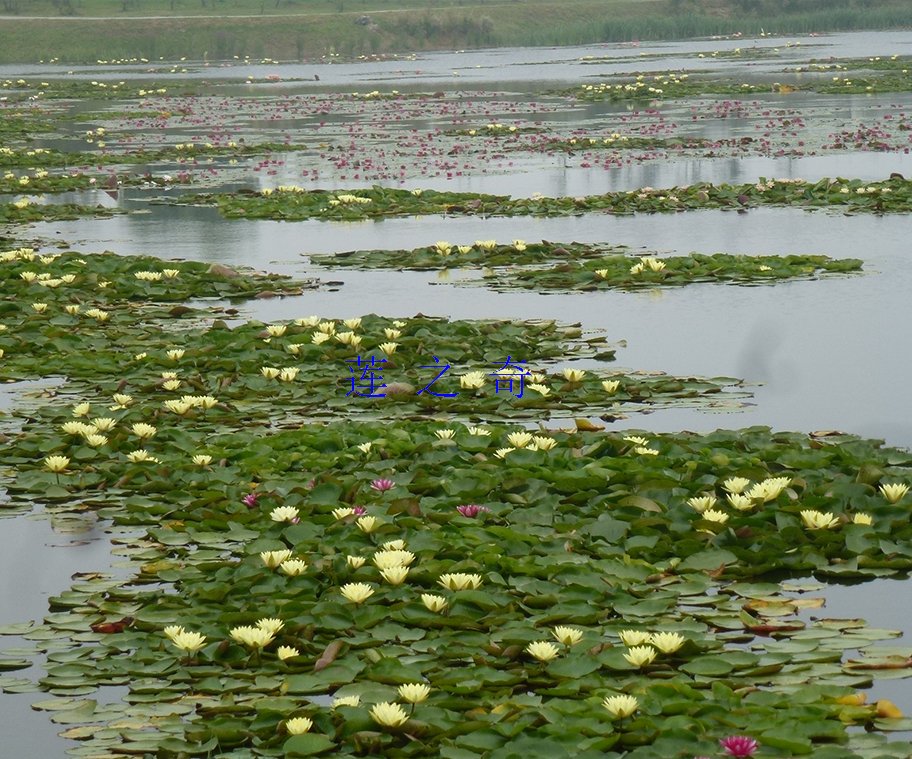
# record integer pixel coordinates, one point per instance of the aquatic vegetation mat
(624, 273)
(24, 211)
(578, 266)
(893, 195)
(72, 279)
(441, 589)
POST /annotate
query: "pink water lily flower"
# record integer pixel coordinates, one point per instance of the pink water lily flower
(471, 510)
(250, 500)
(382, 485)
(359, 511)
(739, 745)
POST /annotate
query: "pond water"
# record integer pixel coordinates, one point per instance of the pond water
(818, 355)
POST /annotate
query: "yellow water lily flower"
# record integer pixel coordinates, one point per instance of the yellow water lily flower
(293, 567)
(574, 375)
(862, 518)
(270, 624)
(634, 637)
(252, 637)
(740, 501)
(298, 725)
(543, 650)
(667, 642)
(460, 581)
(355, 562)
(276, 330)
(611, 386)
(393, 558)
(357, 592)
(388, 714)
(434, 603)
(818, 520)
(367, 524)
(283, 514)
(714, 515)
(414, 693)
(140, 456)
(569, 636)
(894, 491)
(202, 459)
(472, 380)
(56, 464)
(735, 484)
(345, 701)
(394, 575)
(185, 640)
(287, 652)
(701, 503)
(640, 656)
(519, 439)
(621, 706)
(143, 431)
(273, 559)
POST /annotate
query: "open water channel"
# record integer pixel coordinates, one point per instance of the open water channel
(831, 354)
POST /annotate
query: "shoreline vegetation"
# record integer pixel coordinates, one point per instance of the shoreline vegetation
(86, 31)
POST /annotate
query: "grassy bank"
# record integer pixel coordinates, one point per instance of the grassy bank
(373, 27)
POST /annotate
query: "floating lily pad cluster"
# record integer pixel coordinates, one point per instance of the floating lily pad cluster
(622, 272)
(38, 157)
(106, 280)
(26, 211)
(502, 586)
(295, 203)
(480, 253)
(587, 267)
